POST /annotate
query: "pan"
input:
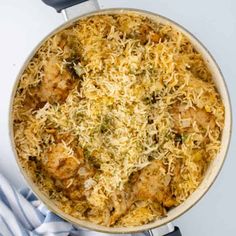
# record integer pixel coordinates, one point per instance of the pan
(72, 11)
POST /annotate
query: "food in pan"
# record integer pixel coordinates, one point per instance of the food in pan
(117, 118)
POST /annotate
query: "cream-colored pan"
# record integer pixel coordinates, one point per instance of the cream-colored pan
(211, 173)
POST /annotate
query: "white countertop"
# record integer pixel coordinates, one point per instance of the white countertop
(24, 23)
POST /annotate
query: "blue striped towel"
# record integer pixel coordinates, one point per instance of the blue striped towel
(22, 214)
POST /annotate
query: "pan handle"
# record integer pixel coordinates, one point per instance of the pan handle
(60, 5)
(175, 231)
(73, 8)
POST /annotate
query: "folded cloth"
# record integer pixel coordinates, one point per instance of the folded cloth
(22, 214)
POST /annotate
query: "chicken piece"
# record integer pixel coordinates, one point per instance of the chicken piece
(63, 40)
(83, 182)
(64, 137)
(59, 164)
(32, 101)
(56, 83)
(155, 37)
(146, 33)
(78, 190)
(184, 118)
(153, 184)
(121, 203)
(78, 186)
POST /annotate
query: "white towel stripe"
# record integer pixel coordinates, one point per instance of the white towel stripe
(4, 228)
(54, 227)
(9, 219)
(15, 201)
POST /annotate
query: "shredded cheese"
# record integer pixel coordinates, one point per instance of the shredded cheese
(136, 87)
